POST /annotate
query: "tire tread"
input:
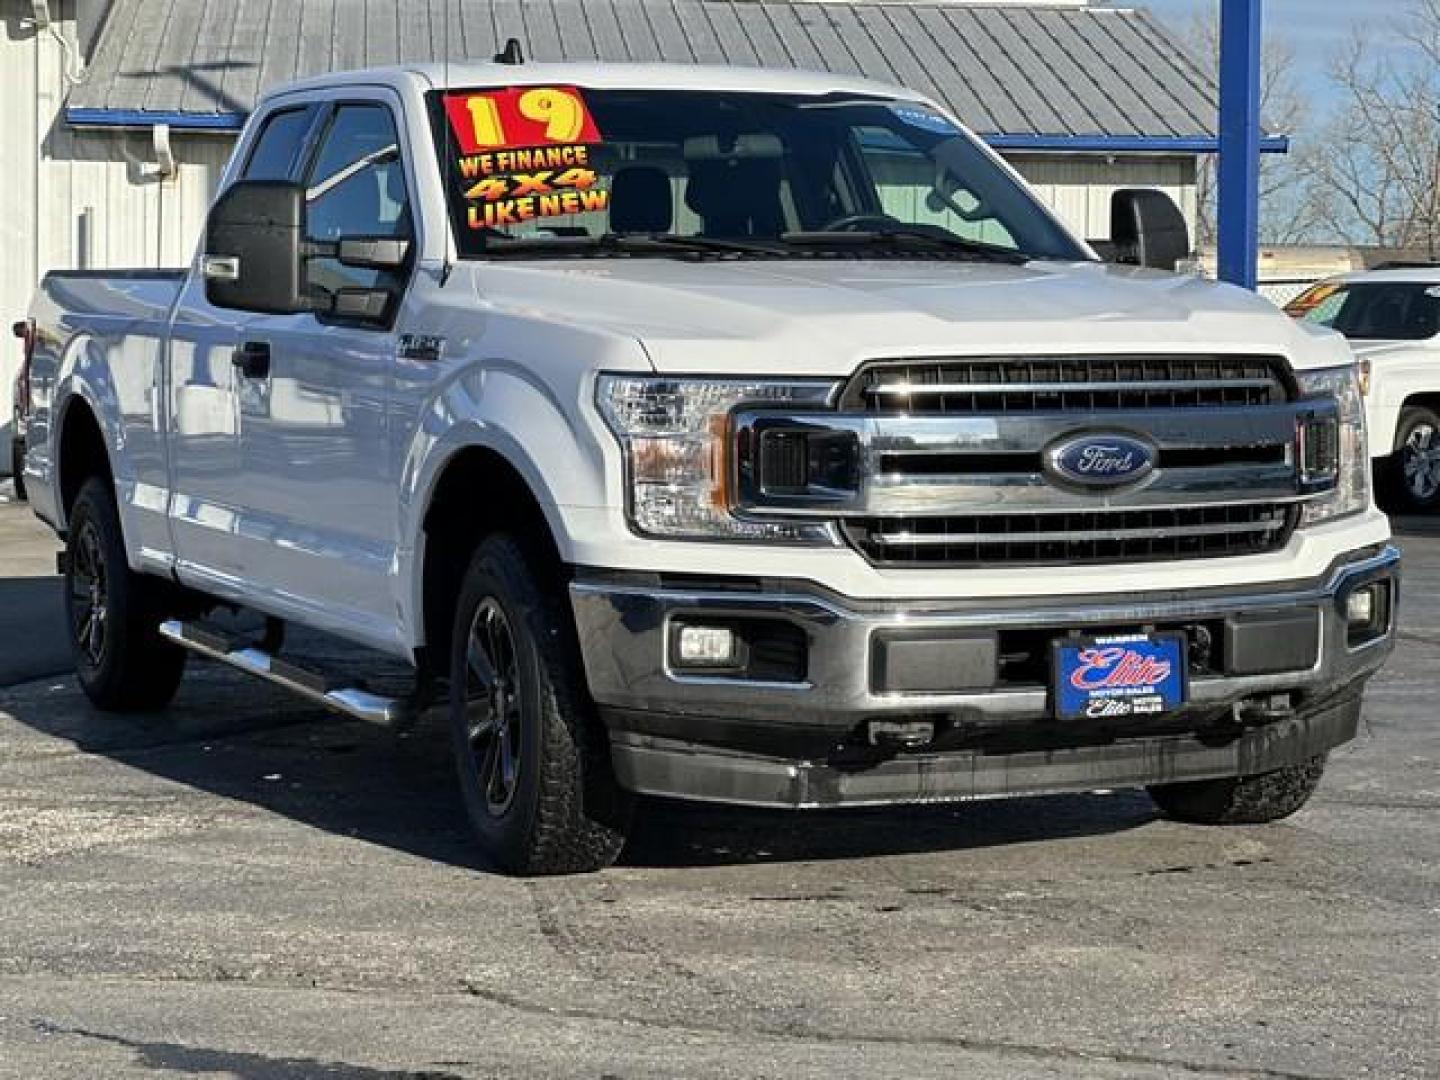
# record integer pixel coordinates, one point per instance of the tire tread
(580, 812)
(142, 671)
(1243, 800)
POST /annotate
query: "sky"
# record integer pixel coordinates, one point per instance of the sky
(1312, 28)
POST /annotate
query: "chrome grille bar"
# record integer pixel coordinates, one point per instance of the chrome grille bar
(1272, 522)
(911, 389)
(965, 449)
(956, 386)
(909, 493)
(1072, 538)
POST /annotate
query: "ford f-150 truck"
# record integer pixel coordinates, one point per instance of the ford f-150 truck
(722, 434)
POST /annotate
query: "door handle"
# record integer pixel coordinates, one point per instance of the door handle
(253, 359)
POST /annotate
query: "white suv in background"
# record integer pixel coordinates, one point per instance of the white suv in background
(1391, 315)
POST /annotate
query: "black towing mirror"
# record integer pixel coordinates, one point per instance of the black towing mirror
(1146, 229)
(253, 248)
(256, 256)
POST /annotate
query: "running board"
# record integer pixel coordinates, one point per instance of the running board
(350, 701)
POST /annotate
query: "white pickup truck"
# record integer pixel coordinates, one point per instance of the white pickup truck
(1391, 315)
(730, 435)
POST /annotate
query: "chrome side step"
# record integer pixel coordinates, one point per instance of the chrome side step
(350, 701)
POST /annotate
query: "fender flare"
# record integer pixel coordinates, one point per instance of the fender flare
(555, 452)
(72, 388)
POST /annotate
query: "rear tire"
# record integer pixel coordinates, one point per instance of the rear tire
(113, 614)
(1413, 480)
(1243, 800)
(533, 759)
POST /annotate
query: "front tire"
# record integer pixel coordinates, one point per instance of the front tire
(533, 760)
(114, 615)
(1414, 480)
(1241, 800)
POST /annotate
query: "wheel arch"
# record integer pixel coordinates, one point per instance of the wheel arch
(1395, 425)
(479, 489)
(82, 450)
(1426, 400)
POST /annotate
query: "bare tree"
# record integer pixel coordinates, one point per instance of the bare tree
(1374, 171)
(1287, 211)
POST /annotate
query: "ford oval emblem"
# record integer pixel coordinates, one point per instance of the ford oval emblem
(1101, 460)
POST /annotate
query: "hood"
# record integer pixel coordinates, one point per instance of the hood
(827, 316)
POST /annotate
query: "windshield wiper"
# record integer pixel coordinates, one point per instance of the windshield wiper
(706, 244)
(621, 244)
(904, 239)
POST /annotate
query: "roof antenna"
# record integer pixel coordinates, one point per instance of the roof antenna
(511, 53)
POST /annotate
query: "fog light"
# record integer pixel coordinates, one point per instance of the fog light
(706, 646)
(1367, 613)
(1360, 607)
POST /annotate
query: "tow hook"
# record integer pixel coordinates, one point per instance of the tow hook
(901, 734)
(1266, 709)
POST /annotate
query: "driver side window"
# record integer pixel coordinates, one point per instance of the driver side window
(356, 187)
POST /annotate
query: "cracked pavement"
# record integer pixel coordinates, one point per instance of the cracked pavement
(244, 886)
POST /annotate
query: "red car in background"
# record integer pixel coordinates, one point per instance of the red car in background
(25, 331)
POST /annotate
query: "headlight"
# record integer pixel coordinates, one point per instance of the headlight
(676, 436)
(1351, 493)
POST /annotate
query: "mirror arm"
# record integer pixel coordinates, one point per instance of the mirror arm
(319, 249)
(375, 253)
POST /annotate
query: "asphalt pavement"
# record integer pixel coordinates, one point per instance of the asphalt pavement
(31, 604)
(244, 886)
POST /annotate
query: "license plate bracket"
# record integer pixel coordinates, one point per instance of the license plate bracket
(1120, 676)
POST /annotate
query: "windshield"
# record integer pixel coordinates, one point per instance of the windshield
(749, 173)
(1373, 311)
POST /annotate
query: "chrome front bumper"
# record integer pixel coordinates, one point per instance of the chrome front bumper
(769, 742)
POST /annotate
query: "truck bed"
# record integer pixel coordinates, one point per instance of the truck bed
(142, 294)
(104, 331)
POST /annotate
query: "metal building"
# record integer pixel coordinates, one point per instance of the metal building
(117, 116)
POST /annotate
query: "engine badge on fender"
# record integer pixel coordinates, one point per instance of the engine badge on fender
(1139, 675)
(1101, 459)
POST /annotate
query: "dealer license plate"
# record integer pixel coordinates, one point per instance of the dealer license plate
(1137, 675)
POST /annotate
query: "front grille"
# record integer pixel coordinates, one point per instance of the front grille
(1068, 538)
(1066, 384)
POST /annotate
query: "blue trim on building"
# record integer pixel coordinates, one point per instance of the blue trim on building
(1088, 144)
(1125, 144)
(141, 118)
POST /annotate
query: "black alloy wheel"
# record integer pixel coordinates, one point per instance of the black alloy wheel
(493, 706)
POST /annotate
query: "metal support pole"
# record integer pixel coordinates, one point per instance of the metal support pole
(1240, 134)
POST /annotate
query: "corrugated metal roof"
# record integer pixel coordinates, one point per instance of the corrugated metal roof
(1107, 76)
